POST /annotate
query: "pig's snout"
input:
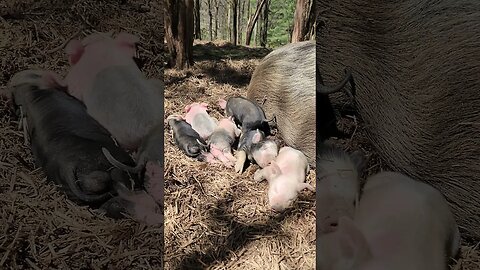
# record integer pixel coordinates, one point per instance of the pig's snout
(279, 203)
(193, 150)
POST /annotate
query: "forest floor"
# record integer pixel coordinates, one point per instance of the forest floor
(217, 219)
(39, 227)
(214, 217)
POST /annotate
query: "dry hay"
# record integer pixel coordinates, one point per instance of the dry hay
(39, 227)
(215, 218)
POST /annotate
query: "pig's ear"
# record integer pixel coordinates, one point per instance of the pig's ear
(257, 137)
(128, 43)
(127, 38)
(74, 50)
(187, 108)
(53, 80)
(203, 104)
(275, 169)
(353, 245)
(222, 103)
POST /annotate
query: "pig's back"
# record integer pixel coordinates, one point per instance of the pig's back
(291, 160)
(125, 103)
(203, 124)
(407, 223)
(248, 113)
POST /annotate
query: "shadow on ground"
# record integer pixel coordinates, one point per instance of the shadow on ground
(240, 234)
(227, 51)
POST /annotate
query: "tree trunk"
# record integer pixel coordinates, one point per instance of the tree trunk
(253, 20)
(179, 32)
(196, 16)
(216, 19)
(234, 31)
(264, 26)
(303, 20)
(248, 17)
(209, 2)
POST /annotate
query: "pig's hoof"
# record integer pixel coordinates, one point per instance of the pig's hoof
(258, 176)
(238, 168)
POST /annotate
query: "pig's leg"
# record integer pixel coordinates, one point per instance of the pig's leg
(208, 157)
(68, 173)
(219, 154)
(25, 132)
(21, 119)
(303, 186)
(222, 103)
(259, 175)
(455, 245)
(240, 162)
(229, 155)
(118, 164)
(153, 181)
(95, 182)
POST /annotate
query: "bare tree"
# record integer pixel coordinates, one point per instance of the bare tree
(234, 31)
(209, 2)
(216, 18)
(253, 20)
(179, 32)
(304, 20)
(196, 16)
(263, 31)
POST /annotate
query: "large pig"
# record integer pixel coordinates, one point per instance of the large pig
(65, 140)
(199, 119)
(222, 139)
(416, 70)
(105, 77)
(149, 156)
(286, 178)
(338, 185)
(399, 224)
(284, 83)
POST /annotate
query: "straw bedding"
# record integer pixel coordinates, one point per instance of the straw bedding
(39, 227)
(215, 218)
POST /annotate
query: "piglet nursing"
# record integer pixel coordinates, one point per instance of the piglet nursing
(253, 122)
(338, 185)
(400, 224)
(222, 139)
(286, 178)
